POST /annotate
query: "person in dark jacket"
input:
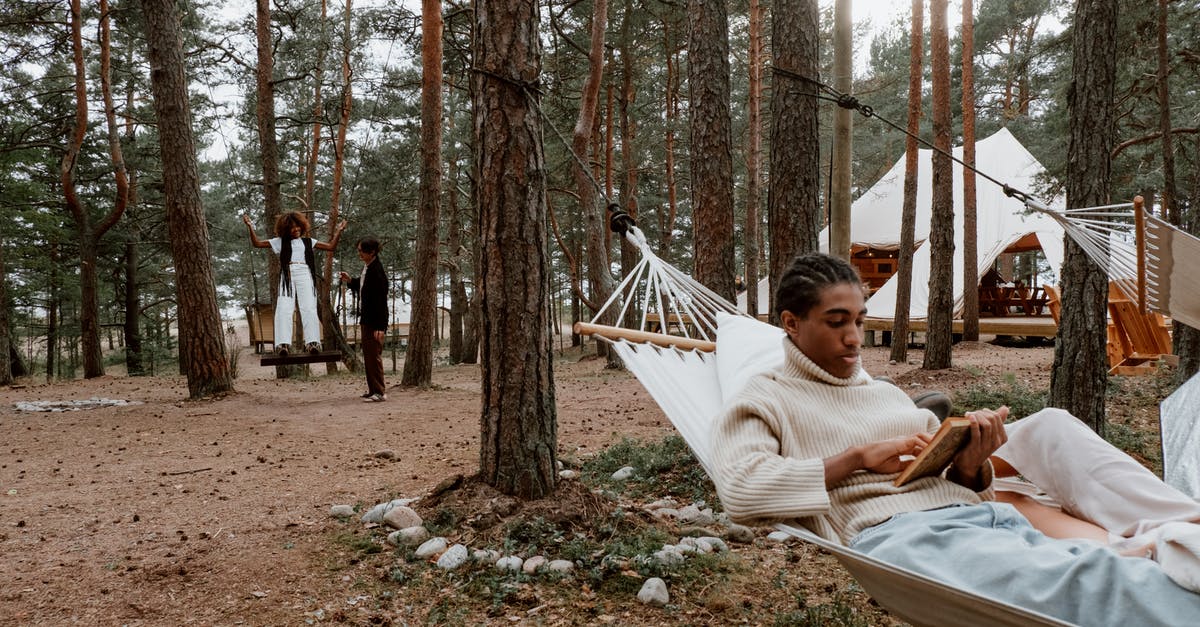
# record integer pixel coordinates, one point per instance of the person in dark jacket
(372, 287)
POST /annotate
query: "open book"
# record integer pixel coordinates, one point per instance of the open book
(933, 459)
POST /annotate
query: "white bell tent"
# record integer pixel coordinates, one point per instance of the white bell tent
(1002, 222)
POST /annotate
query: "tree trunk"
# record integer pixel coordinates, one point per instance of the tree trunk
(418, 363)
(1187, 339)
(132, 327)
(938, 337)
(753, 156)
(203, 353)
(793, 197)
(6, 371)
(629, 162)
(599, 276)
(89, 233)
(518, 422)
(1170, 205)
(843, 125)
(908, 212)
(314, 150)
(331, 331)
(1079, 375)
(268, 145)
(455, 255)
(711, 156)
(970, 227)
(671, 108)
(52, 300)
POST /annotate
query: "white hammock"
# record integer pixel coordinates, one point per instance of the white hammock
(1145, 256)
(681, 374)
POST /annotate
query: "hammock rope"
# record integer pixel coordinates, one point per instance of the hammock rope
(660, 296)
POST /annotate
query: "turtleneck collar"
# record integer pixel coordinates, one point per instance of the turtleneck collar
(797, 364)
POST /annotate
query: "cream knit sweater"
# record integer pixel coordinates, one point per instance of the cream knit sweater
(771, 440)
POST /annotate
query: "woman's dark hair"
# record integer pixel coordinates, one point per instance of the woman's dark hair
(285, 222)
(800, 288)
(369, 245)
(283, 229)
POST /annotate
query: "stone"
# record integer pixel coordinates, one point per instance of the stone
(409, 536)
(402, 517)
(739, 534)
(623, 474)
(430, 547)
(485, 556)
(341, 511)
(669, 556)
(511, 563)
(560, 566)
(654, 592)
(568, 474)
(375, 514)
(718, 545)
(454, 557)
(533, 564)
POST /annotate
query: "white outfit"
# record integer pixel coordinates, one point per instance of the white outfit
(302, 293)
(1092, 480)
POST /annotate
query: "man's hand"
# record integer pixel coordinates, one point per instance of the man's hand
(343, 277)
(884, 457)
(987, 434)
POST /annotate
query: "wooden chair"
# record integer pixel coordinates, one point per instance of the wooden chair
(1053, 301)
(260, 317)
(1142, 338)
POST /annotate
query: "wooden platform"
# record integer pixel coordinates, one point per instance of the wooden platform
(1026, 326)
(272, 359)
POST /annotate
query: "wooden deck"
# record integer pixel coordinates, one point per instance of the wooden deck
(1026, 326)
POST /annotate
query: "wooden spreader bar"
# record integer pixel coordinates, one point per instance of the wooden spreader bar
(632, 335)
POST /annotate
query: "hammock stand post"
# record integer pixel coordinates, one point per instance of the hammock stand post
(1139, 221)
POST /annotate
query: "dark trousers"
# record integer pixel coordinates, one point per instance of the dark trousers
(372, 359)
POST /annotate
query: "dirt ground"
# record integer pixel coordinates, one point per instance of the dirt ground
(216, 512)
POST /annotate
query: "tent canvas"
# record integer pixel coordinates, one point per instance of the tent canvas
(1001, 221)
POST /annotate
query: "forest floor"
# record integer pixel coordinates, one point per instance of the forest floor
(217, 512)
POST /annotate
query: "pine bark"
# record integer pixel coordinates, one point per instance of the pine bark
(595, 218)
(203, 353)
(418, 363)
(939, 336)
(753, 157)
(711, 145)
(331, 331)
(1080, 370)
(793, 196)
(6, 372)
(90, 232)
(268, 145)
(666, 225)
(970, 226)
(843, 127)
(518, 422)
(908, 211)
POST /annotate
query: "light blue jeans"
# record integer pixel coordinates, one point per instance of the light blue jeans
(990, 549)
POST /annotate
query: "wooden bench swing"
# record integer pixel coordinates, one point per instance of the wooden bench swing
(261, 320)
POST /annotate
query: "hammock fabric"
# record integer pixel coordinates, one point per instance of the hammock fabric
(681, 374)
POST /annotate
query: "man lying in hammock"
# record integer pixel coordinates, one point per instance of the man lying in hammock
(819, 441)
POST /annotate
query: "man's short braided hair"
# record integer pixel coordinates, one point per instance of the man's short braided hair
(800, 288)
